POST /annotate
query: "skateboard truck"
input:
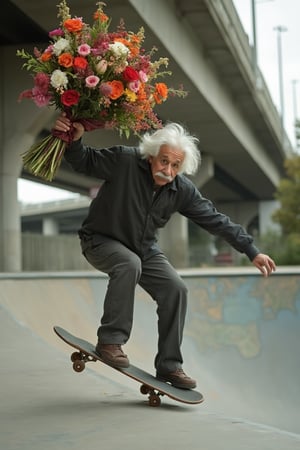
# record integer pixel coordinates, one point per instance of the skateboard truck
(153, 395)
(79, 359)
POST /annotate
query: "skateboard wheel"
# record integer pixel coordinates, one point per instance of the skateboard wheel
(75, 356)
(154, 400)
(144, 389)
(78, 366)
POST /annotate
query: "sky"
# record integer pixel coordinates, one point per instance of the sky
(30, 192)
(269, 14)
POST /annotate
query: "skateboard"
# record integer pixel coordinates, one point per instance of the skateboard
(151, 386)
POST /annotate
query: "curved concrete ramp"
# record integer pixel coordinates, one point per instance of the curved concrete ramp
(241, 344)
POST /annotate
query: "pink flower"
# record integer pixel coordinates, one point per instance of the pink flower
(37, 53)
(39, 92)
(56, 32)
(105, 89)
(92, 81)
(42, 81)
(101, 47)
(84, 49)
(134, 85)
(25, 94)
(49, 49)
(143, 76)
(39, 97)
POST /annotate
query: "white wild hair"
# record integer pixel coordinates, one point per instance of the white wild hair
(173, 135)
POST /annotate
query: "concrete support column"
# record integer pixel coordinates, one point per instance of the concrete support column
(10, 225)
(10, 237)
(50, 226)
(205, 173)
(266, 209)
(19, 126)
(174, 241)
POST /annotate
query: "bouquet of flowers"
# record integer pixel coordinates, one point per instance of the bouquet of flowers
(100, 78)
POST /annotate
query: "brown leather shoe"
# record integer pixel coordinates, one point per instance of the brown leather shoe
(113, 355)
(178, 379)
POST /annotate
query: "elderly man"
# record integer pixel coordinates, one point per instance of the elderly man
(142, 188)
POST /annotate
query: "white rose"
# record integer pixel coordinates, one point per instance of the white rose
(119, 49)
(60, 46)
(58, 79)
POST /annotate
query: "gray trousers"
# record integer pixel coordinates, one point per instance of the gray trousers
(157, 277)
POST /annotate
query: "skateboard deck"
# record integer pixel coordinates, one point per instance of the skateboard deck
(150, 385)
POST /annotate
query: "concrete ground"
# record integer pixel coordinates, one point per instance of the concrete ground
(250, 402)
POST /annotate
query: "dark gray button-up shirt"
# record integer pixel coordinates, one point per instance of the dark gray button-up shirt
(127, 209)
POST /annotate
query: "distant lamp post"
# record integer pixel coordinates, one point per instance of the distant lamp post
(258, 80)
(254, 34)
(295, 109)
(280, 29)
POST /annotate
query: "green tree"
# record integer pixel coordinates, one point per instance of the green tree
(288, 194)
(284, 249)
(287, 248)
(297, 133)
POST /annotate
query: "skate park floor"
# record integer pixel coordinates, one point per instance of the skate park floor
(241, 344)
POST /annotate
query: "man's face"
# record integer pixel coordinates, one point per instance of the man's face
(166, 164)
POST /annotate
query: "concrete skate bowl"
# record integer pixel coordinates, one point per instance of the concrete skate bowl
(241, 338)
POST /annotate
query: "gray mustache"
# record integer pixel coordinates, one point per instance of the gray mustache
(165, 177)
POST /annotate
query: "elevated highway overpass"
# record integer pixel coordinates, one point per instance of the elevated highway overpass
(228, 107)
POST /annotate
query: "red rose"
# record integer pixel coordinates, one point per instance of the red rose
(130, 74)
(70, 97)
(80, 63)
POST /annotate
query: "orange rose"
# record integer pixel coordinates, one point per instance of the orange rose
(117, 89)
(161, 92)
(46, 56)
(65, 60)
(73, 25)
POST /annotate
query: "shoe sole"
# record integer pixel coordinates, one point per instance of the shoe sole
(176, 385)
